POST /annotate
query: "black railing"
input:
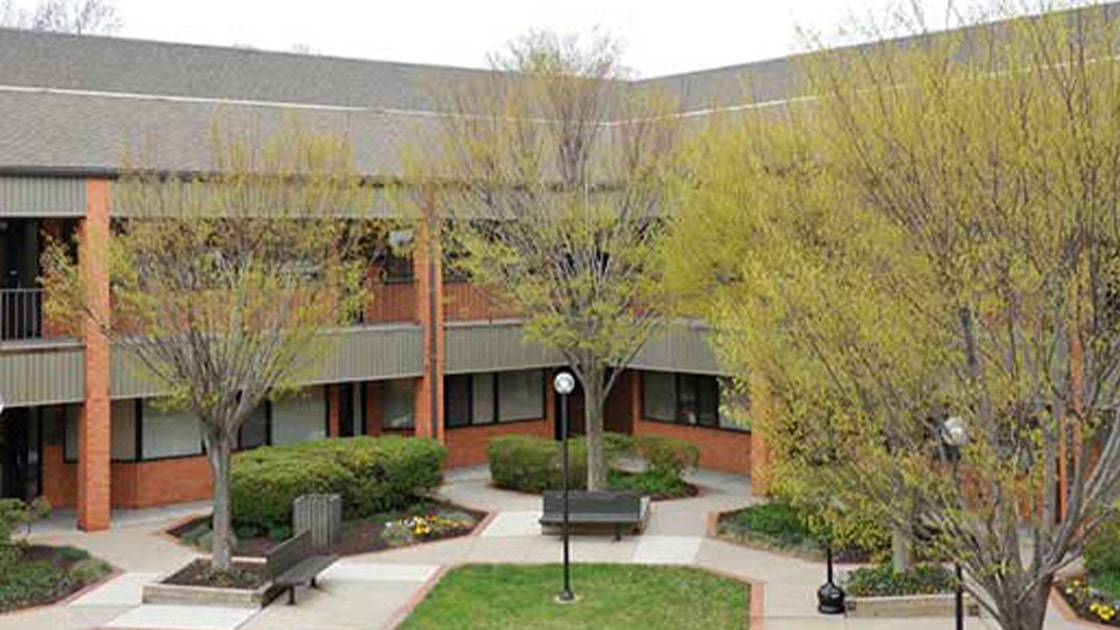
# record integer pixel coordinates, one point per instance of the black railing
(21, 314)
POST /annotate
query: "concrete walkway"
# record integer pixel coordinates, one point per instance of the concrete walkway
(377, 590)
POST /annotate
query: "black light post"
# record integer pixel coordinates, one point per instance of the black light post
(565, 383)
(954, 434)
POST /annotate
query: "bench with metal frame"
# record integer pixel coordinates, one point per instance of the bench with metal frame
(588, 512)
(294, 562)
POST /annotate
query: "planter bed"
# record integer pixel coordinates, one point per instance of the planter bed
(1089, 602)
(361, 535)
(778, 529)
(934, 605)
(247, 586)
(45, 575)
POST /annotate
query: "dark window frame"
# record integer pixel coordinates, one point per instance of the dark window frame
(495, 394)
(679, 412)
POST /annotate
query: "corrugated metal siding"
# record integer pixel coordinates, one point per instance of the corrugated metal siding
(191, 198)
(358, 354)
(492, 347)
(43, 376)
(683, 347)
(372, 352)
(42, 197)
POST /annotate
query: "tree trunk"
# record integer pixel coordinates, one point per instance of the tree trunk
(593, 416)
(900, 548)
(221, 542)
(1030, 614)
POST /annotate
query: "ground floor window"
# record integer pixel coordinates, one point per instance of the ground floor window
(168, 432)
(300, 417)
(488, 398)
(688, 399)
(398, 402)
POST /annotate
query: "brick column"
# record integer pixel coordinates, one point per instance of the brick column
(93, 421)
(427, 263)
(761, 407)
(334, 410)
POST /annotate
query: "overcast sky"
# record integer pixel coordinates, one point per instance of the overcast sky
(661, 36)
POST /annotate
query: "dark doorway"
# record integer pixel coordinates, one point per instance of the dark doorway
(20, 450)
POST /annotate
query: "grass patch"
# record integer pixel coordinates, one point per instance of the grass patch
(609, 596)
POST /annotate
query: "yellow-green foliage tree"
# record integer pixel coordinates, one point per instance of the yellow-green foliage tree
(224, 284)
(549, 177)
(934, 233)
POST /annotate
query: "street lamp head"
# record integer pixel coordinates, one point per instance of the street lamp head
(564, 383)
(954, 432)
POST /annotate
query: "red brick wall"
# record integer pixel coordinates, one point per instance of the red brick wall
(466, 446)
(60, 481)
(392, 302)
(464, 302)
(147, 484)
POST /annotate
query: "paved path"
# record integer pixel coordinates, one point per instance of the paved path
(376, 590)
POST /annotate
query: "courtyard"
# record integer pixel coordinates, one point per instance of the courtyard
(380, 590)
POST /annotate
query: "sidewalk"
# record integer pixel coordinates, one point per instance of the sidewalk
(376, 590)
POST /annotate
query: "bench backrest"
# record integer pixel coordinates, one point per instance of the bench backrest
(621, 502)
(289, 553)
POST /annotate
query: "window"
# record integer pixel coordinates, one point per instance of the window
(397, 262)
(659, 396)
(122, 432)
(486, 398)
(168, 433)
(520, 395)
(399, 404)
(254, 430)
(300, 418)
(689, 399)
(457, 400)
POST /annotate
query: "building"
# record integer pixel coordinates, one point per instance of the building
(83, 431)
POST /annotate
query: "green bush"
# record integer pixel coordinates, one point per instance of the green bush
(370, 474)
(882, 580)
(26, 583)
(535, 464)
(1102, 549)
(650, 483)
(13, 514)
(669, 457)
(775, 522)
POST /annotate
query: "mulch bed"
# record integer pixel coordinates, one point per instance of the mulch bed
(358, 535)
(240, 576)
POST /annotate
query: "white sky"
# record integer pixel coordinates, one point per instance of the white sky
(661, 37)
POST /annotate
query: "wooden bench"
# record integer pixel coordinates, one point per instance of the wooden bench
(294, 562)
(588, 511)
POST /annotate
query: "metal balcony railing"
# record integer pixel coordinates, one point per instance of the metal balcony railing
(21, 314)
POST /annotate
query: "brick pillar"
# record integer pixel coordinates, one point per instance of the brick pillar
(635, 402)
(427, 263)
(761, 407)
(93, 421)
(374, 409)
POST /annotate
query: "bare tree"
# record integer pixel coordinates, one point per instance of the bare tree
(81, 17)
(549, 174)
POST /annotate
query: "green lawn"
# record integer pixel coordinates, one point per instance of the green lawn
(609, 596)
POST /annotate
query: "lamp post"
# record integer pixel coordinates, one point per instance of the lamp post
(565, 383)
(954, 435)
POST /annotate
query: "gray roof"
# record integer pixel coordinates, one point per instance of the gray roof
(74, 103)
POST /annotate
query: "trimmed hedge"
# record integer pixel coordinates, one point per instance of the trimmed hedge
(371, 474)
(534, 464)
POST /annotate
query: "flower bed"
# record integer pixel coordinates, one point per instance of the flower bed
(1091, 602)
(423, 522)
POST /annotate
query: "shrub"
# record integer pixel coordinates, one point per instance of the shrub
(882, 580)
(669, 457)
(535, 464)
(27, 583)
(370, 474)
(775, 522)
(14, 513)
(89, 570)
(1102, 549)
(652, 484)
